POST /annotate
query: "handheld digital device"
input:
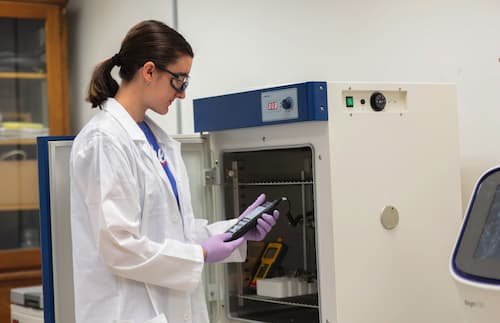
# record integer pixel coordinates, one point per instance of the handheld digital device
(250, 220)
(270, 257)
(254, 253)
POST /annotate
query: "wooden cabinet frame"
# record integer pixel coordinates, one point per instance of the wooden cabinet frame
(22, 267)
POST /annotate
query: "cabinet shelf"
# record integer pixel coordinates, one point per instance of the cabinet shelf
(20, 259)
(22, 75)
(7, 278)
(276, 183)
(17, 141)
(309, 301)
(18, 207)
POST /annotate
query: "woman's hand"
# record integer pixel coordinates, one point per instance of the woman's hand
(264, 225)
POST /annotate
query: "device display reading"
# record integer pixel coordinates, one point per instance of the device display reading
(270, 253)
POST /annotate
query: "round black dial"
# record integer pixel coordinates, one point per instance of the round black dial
(378, 101)
(287, 103)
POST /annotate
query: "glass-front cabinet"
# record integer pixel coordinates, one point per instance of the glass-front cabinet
(33, 102)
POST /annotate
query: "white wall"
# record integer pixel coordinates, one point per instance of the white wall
(96, 29)
(248, 44)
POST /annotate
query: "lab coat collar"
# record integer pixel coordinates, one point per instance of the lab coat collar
(161, 136)
(125, 119)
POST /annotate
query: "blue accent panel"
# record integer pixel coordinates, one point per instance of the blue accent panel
(45, 230)
(244, 109)
(318, 100)
(45, 224)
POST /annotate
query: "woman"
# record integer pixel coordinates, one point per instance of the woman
(138, 251)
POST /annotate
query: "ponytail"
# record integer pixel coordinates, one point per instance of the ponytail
(149, 40)
(102, 85)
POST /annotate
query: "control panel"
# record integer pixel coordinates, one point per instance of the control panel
(376, 101)
(279, 105)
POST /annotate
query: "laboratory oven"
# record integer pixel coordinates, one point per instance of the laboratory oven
(370, 173)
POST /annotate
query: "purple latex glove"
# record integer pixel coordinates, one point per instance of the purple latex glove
(264, 224)
(216, 249)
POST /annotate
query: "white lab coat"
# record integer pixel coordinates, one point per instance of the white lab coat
(136, 257)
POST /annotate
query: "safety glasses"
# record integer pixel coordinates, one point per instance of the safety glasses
(179, 81)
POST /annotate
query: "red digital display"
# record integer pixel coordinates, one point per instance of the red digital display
(272, 105)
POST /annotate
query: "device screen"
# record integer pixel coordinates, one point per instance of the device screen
(270, 253)
(489, 242)
(255, 212)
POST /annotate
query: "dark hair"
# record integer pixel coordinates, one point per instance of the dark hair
(149, 40)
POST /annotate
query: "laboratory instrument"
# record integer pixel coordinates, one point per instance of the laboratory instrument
(371, 171)
(249, 221)
(475, 263)
(26, 304)
(272, 254)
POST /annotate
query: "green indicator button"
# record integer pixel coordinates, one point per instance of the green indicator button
(349, 102)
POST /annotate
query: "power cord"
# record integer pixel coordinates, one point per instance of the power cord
(294, 221)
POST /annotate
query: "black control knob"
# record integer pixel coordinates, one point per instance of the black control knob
(378, 101)
(287, 103)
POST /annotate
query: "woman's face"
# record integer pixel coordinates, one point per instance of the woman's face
(167, 84)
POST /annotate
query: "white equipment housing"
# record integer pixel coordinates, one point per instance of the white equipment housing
(385, 195)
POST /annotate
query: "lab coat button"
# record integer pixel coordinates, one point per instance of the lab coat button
(187, 316)
(175, 219)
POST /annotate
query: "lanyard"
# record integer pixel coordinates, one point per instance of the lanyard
(161, 157)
